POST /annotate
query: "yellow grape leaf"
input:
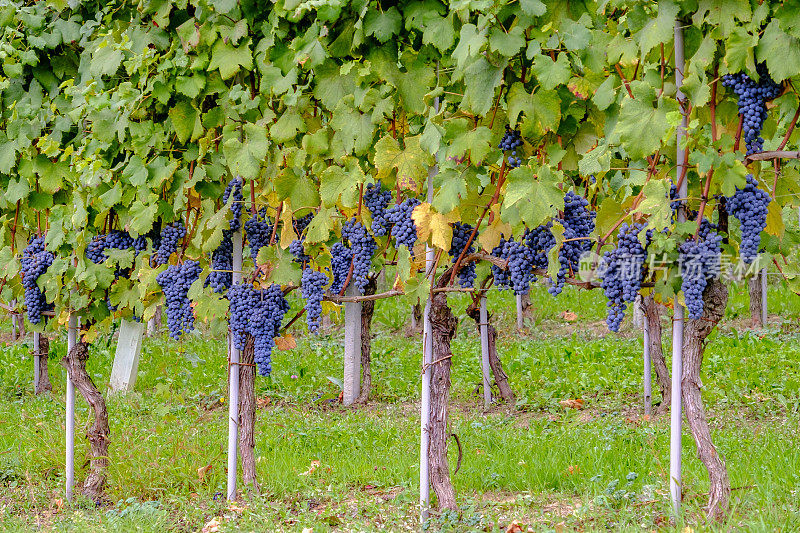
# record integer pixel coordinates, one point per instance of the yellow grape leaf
(287, 342)
(411, 163)
(775, 224)
(287, 228)
(434, 226)
(490, 237)
(194, 199)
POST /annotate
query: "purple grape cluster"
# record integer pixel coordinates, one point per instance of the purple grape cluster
(259, 313)
(168, 242)
(753, 96)
(341, 256)
(699, 262)
(578, 222)
(519, 275)
(750, 206)
(35, 262)
(363, 245)
(300, 224)
(258, 230)
(175, 282)
(221, 276)
(509, 143)
(540, 241)
(404, 230)
(461, 235)
(311, 287)
(297, 249)
(235, 187)
(377, 201)
(624, 272)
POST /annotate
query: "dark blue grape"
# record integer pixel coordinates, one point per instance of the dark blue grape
(509, 143)
(753, 96)
(461, 234)
(750, 206)
(341, 257)
(699, 262)
(168, 243)
(175, 282)
(578, 222)
(363, 246)
(404, 230)
(624, 272)
(258, 230)
(259, 313)
(235, 187)
(35, 262)
(311, 287)
(377, 201)
(221, 276)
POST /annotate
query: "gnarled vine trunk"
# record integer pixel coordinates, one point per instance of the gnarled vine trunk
(44, 384)
(367, 310)
(754, 288)
(443, 328)
(500, 377)
(247, 414)
(715, 299)
(97, 434)
(653, 317)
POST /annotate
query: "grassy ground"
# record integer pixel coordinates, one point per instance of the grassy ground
(326, 467)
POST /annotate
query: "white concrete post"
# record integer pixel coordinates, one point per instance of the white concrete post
(352, 348)
(126, 359)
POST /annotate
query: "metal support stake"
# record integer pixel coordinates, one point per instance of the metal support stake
(678, 318)
(233, 379)
(72, 339)
(485, 368)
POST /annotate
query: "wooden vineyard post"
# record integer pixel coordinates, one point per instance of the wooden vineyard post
(676, 405)
(648, 379)
(485, 368)
(233, 378)
(520, 314)
(72, 339)
(352, 348)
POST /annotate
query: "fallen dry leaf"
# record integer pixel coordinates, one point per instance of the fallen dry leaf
(560, 527)
(572, 404)
(311, 469)
(202, 471)
(308, 530)
(287, 342)
(212, 526)
(569, 316)
(514, 527)
(263, 402)
(235, 507)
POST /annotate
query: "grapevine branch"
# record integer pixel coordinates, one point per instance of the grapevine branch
(495, 197)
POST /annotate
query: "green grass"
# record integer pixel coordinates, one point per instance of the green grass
(597, 469)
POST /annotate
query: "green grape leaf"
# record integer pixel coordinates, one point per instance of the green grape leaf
(383, 24)
(229, 59)
(551, 73)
